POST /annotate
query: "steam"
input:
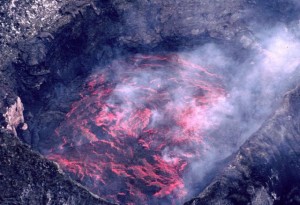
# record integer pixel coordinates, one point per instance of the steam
(181, 115)
(254, 88)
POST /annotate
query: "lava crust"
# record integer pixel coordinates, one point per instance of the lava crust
(136, 127)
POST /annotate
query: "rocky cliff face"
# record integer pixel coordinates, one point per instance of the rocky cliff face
(48, 47)
(28, 178)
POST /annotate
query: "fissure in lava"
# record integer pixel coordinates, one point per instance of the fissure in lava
(135, 130)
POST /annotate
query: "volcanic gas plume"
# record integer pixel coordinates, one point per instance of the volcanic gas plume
(138, 125)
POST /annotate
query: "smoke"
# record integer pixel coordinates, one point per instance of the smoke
(208, 101)
(170, 121)
(295, 3)
(254, 88)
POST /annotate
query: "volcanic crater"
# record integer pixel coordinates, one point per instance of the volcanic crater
(113, 97)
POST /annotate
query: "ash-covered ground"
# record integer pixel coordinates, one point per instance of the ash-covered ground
(226, 127)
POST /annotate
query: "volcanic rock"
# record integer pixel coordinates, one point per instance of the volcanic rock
(49, 47)
(14, 116)
(28, 178)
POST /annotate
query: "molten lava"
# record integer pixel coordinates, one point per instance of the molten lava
(137, 126)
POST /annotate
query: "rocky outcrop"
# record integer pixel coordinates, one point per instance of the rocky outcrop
(266, 168)
(27, 178)
(14, 116)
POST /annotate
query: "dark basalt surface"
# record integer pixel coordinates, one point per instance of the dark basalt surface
(47, 47)
(28, 178)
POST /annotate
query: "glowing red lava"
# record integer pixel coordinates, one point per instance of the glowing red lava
(136, 127)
